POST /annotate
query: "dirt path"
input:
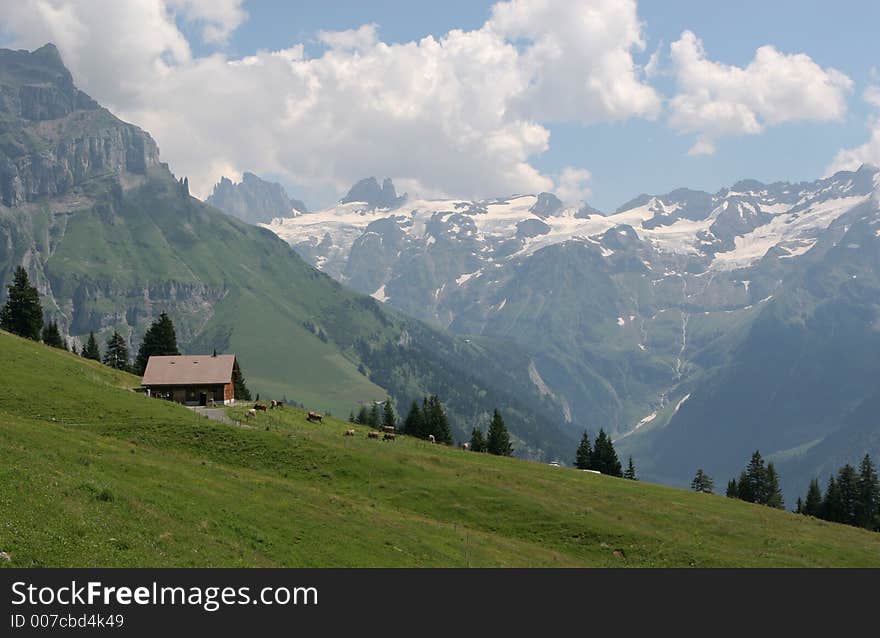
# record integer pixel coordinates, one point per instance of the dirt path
(217, 414)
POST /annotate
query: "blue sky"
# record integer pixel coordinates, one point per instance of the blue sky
(318, 119)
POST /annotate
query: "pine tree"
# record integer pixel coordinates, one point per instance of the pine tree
(583, 458)
(351, 417)
(744, 488)
(848, 488)
(414, 424)
(498, 439)
(869, 495)
(732, 489)
(478, 441)
(604, 457)
(91, 351)
(373, 419)
(703, 482)
(756, 480)
(363, 416)
(239, 386)
(159, 340)
(772, 492)
(813, 501)
(436, 421)
(799, 506)
(389, 419)
(831, 506)
(116, 355)
(52, 336)
(22, 314)
(630, 472)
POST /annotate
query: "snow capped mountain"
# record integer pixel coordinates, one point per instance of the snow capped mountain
(732, 229)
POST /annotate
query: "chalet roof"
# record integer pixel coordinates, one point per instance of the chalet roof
(189, 370)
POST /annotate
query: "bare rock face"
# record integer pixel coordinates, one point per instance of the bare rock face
(54, 136)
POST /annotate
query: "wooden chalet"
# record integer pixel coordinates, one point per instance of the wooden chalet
(191, 379)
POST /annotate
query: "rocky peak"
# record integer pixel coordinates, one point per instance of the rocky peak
(546, 205)
(254, 200)
(368, 191)
(78, 141)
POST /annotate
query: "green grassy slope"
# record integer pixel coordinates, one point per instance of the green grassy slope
(94, 474)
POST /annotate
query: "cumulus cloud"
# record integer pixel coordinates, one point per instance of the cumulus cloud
(572, 185)
(716, 100)
(849, 159)
(463, 113)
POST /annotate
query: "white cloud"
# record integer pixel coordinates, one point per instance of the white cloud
(572, 185)
(363, 37)
(849, 159)
(717, 100)
(461, 114)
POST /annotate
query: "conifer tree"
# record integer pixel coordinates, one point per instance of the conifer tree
(22, 313)
(116, 355)
(605, 457)
(159, 340)
(478, 441)
(813, 501)
(702, 482)
(52, 336)
(732, 489)
(848, 488)
(772, 492)
(630, 471)
(239, 386)
(363, 416)
(583, 458)
(799, 506)
(756, 480)
(498, 439)
(389, 419)
(831, 506)
(744, 488)
(414, 424)
(436, 421)
(868, 507)
(91, 350)
(373, 420)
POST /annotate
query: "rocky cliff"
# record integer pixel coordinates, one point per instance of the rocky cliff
(53, 136)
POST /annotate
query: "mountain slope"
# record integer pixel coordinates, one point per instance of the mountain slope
(254, 200)
(112, 246)
(672, 308)
(96, 475)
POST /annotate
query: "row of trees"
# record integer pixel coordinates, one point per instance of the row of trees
(22, 314)
(852, 497)
(602, 457)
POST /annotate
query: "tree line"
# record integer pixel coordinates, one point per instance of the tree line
(852, 497)
(22, 315)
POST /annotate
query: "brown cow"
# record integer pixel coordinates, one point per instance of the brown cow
(260, 406)
(349, 432)
(251, 413)
(465, 446)
(372, 434)
(389, 436)
(315, 417)
(388, 428)
(276, 404)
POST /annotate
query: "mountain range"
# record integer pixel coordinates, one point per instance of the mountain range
(694, 326)
(111, 238)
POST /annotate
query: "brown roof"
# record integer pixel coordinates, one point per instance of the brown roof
(189, 370)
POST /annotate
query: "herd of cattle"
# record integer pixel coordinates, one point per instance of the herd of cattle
(387, 434)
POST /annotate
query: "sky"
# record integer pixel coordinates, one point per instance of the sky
(595, 100)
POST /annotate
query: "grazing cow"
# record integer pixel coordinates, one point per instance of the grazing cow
(260, 406)
(389, 436)
(465, 446)
(251, 413)
(315, 417)
(431, 438)
(388, 428)
(349, 432)
(372, 434)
